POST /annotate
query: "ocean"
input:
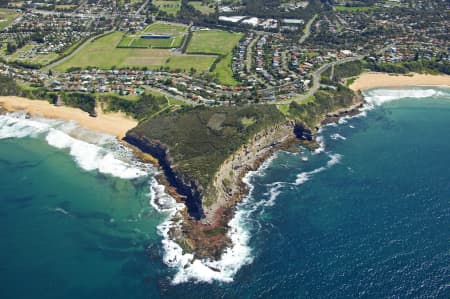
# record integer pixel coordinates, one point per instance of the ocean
(367, 215)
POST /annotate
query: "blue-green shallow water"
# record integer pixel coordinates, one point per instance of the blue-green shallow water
(367, 218)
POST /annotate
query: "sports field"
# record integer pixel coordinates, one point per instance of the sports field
(102, 53)
(176, 32)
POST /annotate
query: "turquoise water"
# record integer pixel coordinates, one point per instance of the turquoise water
(368, 217)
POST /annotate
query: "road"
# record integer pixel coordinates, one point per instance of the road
(307, 30)
(249, 58)
(316, 77)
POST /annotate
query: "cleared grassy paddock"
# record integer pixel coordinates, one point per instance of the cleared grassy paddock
(224, 72)
(102, 53)
(217, 42)
(213, 42)
(186, 62)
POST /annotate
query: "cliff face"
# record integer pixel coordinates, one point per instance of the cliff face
(186, 186)
(227, 186)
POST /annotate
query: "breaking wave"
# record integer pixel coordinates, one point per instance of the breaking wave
(379, 96)
(90, 150)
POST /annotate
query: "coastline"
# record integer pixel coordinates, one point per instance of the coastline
(116, 124)
(370, 80)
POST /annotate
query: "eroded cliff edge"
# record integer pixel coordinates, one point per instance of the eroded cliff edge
(206, 152)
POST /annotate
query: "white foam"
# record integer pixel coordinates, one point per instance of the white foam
(233, 258)
(91, 150)
(17, 125)
(303, 177)
(306, 175)
(379, 96)
(321, 142)
(337, 136)
(334, 159)
(274, 192)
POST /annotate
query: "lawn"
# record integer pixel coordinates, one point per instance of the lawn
(102, 53)
(7, 16)
(213, 42)
(176, 31)
(169, 7)
(186, 62)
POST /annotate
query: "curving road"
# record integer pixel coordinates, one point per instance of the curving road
(316, 77)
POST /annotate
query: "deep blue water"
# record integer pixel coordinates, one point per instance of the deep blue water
(367, 218)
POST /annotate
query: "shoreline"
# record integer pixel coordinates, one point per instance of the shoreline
(368, 80)
(116, 124)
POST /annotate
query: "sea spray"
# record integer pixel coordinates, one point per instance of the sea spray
(233, 258)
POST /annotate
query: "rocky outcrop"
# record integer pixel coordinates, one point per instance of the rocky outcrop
(227, 186)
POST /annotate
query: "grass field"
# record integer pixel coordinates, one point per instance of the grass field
(213, 42)
(102, 53)
(217, 42)
(186, 62)
(204, 9)
(7, 16)
(169, 7)
(224, 72)
(166, 28)
(176, 31)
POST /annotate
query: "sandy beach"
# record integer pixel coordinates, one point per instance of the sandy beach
(111, 123)
(371, 80)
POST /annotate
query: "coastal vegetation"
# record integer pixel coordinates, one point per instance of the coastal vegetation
(312, 111)
(419, 66)
(201, 138)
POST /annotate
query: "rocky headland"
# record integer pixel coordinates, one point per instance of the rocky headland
(211, 196)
